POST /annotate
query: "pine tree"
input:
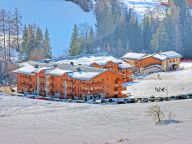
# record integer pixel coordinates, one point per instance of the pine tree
(37, 52)
(90, 41)
(24, 46)
(146, 33)
(75, 46)
(47, 46)
(160, 40)
(17, 28)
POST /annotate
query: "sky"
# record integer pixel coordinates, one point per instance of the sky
(58, 16)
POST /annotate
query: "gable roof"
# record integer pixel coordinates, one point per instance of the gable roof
(160, 56)
(89, 60)
(134, 56)
(78, 72)
(83, 75)
(171, 54)
(57, 72)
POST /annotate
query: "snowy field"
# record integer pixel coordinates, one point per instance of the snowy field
(176, 83)
(27, 121)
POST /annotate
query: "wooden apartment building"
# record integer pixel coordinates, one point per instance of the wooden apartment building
(149, 63)
(70, 80)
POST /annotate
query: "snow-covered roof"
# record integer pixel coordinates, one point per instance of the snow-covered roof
(171, 54)
(124, 66)
(40, 69)
(134, 56)
(28, 69)
(57, 72)
(160, 57)
(87, 61)
(83, 75)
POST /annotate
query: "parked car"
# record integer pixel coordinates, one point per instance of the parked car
(173, 98)
(121, 101)
(145, 100)
(152, 99)
(69, 100)
(80, 101)
(166, 98)
(126, 100)
(131, 100)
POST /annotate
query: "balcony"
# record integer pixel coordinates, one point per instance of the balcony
(92, 84)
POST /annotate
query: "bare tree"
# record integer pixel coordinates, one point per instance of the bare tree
(156, 113)
(3, 28)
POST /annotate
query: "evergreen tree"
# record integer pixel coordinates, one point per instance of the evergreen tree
(75, 46)
(146, 33)
(24, 45)
(47, 46)
(160, 40)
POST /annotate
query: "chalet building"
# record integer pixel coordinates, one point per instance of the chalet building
(112, 64)
(149, 63)
(68, 81)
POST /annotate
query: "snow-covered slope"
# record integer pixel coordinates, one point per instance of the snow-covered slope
(142, 7)
(27, 121)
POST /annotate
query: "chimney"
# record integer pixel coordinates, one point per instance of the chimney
(55, 65)
(79, 70)
(71, 63)
(36, 66)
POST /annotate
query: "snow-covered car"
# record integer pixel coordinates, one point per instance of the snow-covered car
(152, 99)
(173, 98)
(80, 101)
(121, 101)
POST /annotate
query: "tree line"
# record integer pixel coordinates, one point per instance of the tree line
(18, 43)
(35, 44)
(120, 30)
(10, 30)
(82, 40)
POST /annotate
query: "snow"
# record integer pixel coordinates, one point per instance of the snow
(27, 69)
(87, 61)
(134, 56)
(57, 72)
(124, 66)
(41, 69)
(171, 54)
(142, 7)
(83, 75)
(177, 83)
(160, 57)
(185, 65)
(27, 121)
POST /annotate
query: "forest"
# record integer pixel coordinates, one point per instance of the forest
(20, 43)
(120, 30)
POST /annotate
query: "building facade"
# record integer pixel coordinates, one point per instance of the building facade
(69, 81)
(149, 63)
